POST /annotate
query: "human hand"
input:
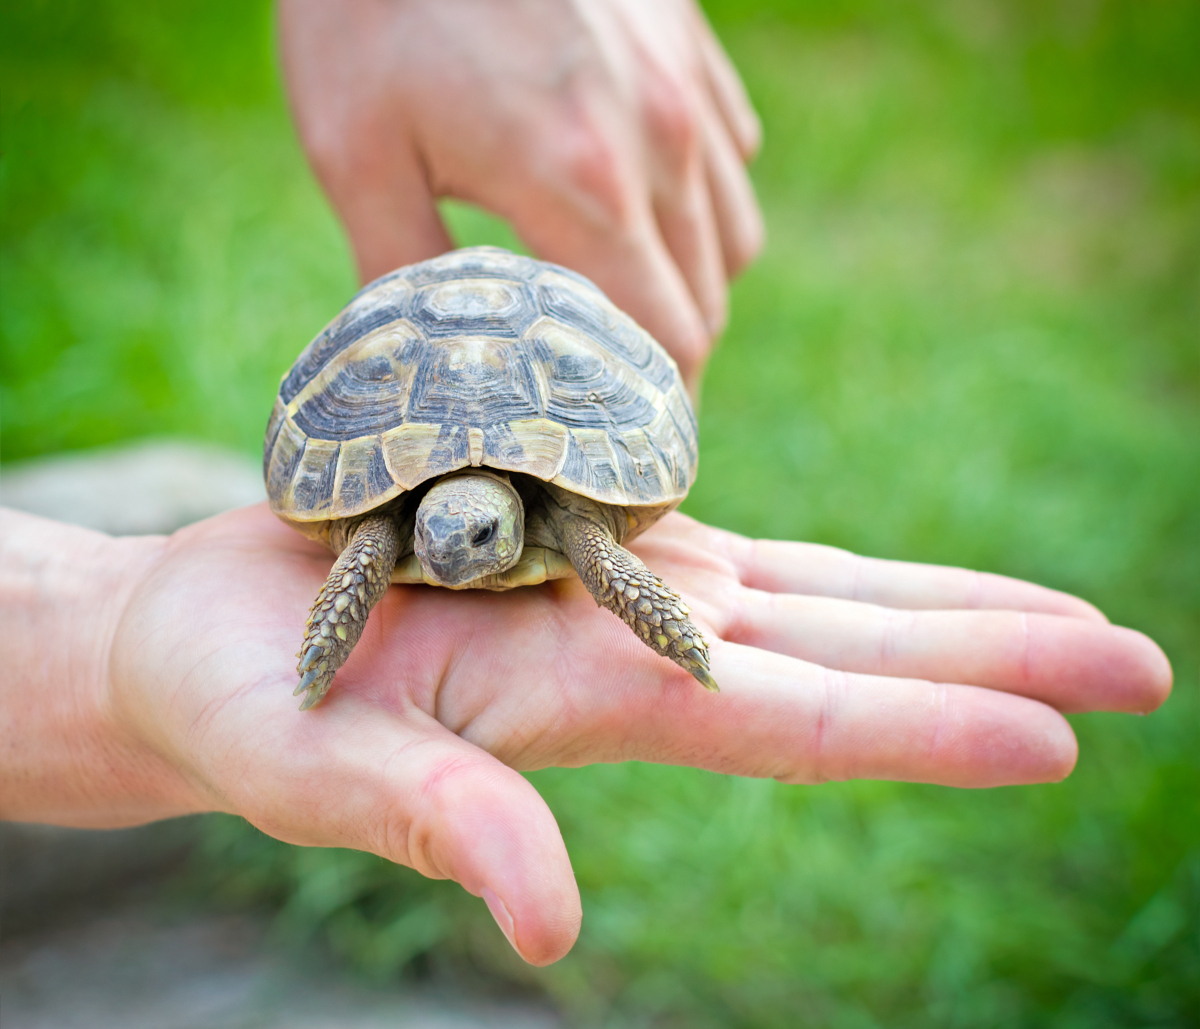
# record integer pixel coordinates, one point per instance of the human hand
(831, 667)
(612, 135)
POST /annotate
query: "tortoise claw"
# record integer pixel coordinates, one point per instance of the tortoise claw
(310, 658)
(313, 698)
(309, 678)
(700, 672)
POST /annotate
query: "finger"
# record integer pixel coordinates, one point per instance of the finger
(685, 219)
(739, 220)
(798, 722)
(360, 149)
(728, 92)
(626, 258)
(674, 179)
(388, 209)
(808, 568)
(407, 789)
(1072, 664)
(602, 695)
(778, 566)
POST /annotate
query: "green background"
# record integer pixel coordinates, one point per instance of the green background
(974, 338)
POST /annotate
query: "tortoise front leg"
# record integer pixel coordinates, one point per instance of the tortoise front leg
(620, 582)
(357, 582)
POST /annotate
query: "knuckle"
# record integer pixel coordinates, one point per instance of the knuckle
(590, 164)
(414, 834)
(337, 153)
(325, 128)
(393, 835)
(671, 119)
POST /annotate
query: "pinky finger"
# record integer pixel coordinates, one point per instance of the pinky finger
(735, 207)
(727, 90)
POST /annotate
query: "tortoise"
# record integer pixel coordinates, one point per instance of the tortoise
(482, 420)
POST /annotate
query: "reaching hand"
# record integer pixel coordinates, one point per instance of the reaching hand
(831, 667)
(612, 135)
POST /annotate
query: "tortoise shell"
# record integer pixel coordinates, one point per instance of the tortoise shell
(478, 358)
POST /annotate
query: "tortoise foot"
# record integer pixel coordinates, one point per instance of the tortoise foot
(357, 582)
(620, 582)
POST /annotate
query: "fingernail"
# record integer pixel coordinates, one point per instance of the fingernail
(500, 914)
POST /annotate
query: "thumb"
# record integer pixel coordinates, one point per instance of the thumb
(411, 791)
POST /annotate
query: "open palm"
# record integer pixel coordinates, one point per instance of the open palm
(831, 667)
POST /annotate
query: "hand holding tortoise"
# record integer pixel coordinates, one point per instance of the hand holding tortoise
(169, 691)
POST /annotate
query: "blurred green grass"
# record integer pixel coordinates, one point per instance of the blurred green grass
(974, 339)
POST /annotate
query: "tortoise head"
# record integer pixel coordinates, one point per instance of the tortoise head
(468, 525)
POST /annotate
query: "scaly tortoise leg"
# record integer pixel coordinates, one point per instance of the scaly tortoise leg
(620, 582)
(357, 582)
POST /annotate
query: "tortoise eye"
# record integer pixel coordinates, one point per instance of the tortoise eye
(484, 535)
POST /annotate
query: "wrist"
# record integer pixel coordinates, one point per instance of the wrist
(66, 757)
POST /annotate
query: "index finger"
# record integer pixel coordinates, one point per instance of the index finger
(815, 569)
(775, 717)
(812, 568)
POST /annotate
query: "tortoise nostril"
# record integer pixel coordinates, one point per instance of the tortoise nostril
(484, 535)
